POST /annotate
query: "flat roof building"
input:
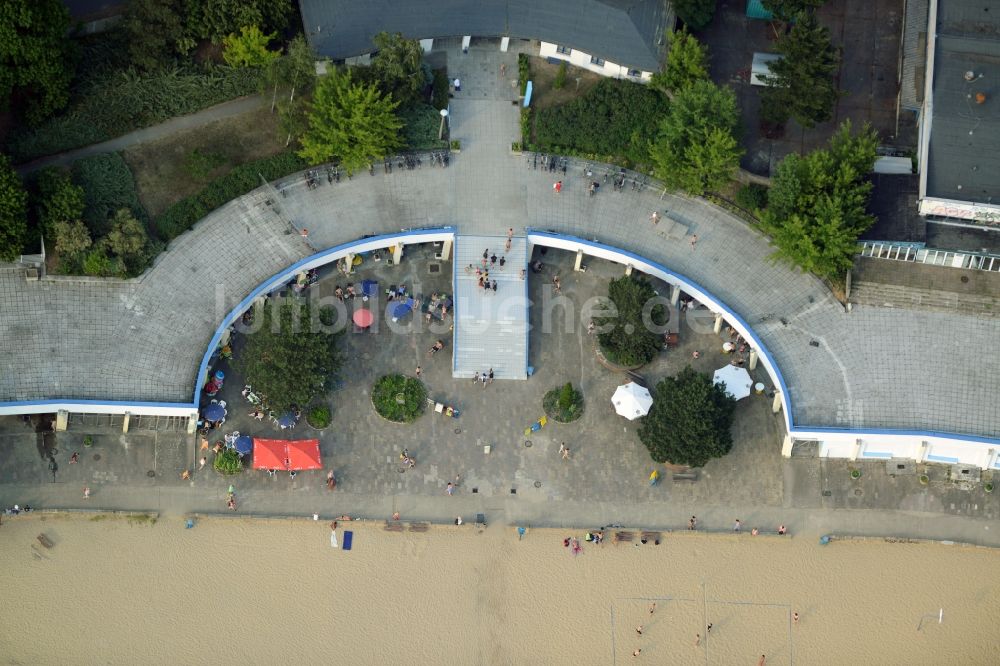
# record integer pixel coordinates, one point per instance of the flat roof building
(960, 117)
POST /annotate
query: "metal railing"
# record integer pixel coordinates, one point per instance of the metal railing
(916, 253)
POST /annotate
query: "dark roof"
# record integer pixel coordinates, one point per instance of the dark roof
(964, 152)
(625, 32)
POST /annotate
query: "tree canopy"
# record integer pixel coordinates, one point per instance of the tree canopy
(696, 149)
(13, 212)
(249, 48)
(34, 56)
(801, 84)
(626, 336)
(787, 10)
(214, 19)
(155, 33)
(398, 67)
(59, 199)
(687, 63)
(696, 14)
(690, 420)
(816, 204)
(349, 121)
(290, 357)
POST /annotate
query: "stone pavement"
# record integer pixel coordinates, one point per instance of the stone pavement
(143, 339)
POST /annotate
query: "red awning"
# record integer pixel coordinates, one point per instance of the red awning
(286, 454)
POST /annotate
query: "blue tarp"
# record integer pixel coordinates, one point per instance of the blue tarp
(756, 10)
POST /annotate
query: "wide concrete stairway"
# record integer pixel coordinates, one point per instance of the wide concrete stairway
(897, 284)
(491, 328)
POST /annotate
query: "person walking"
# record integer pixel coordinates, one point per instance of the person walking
(494, 286)
(450, 489)
(655, 217)
(491, 376)
(694, 240)
(652, 608)
(418, 372)
(75, 458)
(475, 378)
(331, 481)
(86, 492)
(565, 452)
(202, 463)
(738, 526)
(692, 523)
(557, 186)
(590, 328)
(493, 259)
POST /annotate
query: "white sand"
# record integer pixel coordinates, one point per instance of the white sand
(267, 592)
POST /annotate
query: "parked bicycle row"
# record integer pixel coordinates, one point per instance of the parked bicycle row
(596, 175)
(313, 178)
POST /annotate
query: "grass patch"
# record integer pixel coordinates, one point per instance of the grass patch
(99, 517)
(142, 519)
(179, 166)
(181, 216)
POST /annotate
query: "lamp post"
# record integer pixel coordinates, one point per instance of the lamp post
(444, 115)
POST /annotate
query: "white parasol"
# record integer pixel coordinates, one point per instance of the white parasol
(736, 380)
(632, 401)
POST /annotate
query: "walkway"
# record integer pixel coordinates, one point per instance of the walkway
(143, 339)
(201, 118)
(491, 327)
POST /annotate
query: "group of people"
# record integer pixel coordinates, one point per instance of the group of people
(483, 378)
(407, 459)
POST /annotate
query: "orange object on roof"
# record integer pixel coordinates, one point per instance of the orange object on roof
(286, 454)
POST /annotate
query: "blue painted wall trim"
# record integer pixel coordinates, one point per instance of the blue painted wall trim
(947, 459)
(876, 454)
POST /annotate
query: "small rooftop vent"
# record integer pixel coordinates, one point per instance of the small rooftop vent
(970, 75)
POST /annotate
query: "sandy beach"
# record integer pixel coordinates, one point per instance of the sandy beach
(274, 591)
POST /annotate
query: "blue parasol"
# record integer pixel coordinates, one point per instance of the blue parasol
(402, 308)
(243, 444)
(286, 420)
(214, 412)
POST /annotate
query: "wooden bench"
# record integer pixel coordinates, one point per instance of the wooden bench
(623, 536)
(393, 526)
(685, 476)
(419, 527)
(650, 536)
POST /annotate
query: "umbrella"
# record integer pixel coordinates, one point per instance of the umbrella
(286, 420)
(736, 380)
(363, 317)
(632, 401)
(243, 444)
(214, 412)
(402, 308)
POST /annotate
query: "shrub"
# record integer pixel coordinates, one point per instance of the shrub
(439, 94)
(115, 102)
(108, 186)
(97, 263)
(399, 398)
(563, 404)
(456, 145)
(228, 462)
(752, 197)
(523, 72)
(421, 125)
(319, 417)
(560, 80)
(628, 339)
(185, 213)
(615, 118)
(525, 126)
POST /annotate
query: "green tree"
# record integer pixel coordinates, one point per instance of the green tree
(35, 56)
(128, 241)
(72, 239)
(801, 84)
(696, 14)
(817, 203)
(628, 338)
(214, 19)
(13, 212)
(155, 33)
(687, 63)
(295, 71)
(290, 356)
(249, 48)
(696, 149)
(60, 199)
(398, 67)
(690, 420)
(350, 121)
(787, 10)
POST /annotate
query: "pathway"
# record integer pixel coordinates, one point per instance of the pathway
(201, 118)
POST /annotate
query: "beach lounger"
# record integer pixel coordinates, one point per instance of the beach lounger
(623, 536)
(348, 540)
(419, 527)
(45, 541)
(393, 526)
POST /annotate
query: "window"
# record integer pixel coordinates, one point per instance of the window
(634, 72)
(565, 50)
(594, 60)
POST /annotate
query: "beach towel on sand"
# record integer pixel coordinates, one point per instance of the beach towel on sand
(333, 539)
(348, 539)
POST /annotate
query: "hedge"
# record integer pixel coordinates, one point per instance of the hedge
(108, 186)
(242, 179)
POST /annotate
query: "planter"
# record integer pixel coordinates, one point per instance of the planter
(319, 417)
(455, 146)
(550, 403)
(988, 487)
(88, 441)
(515, 148)
(398, 398)
(924, 479)
(855, 474)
